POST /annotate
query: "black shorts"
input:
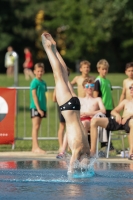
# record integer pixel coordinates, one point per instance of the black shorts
(35, 113)
(114, 126)
(61, 118)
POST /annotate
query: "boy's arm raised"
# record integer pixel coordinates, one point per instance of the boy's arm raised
(116, 111)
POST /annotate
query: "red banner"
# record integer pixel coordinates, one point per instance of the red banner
(7, 115)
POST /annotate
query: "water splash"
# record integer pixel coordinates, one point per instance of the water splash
(82, 170)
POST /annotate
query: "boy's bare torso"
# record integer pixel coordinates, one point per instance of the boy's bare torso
(128, 108)
(127, 83)
(89, 104)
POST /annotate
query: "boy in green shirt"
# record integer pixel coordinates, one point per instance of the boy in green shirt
(103, 89)
(38, 88)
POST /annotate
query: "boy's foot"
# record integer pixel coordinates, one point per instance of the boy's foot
(49, 37)
(130, 157)
(60, 156)
(38, 150)
(45, 40)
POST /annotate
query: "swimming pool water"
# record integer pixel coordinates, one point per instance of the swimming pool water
(37, 180)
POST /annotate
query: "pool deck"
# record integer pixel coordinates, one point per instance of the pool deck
(50, 156)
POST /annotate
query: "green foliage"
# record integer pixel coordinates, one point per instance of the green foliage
(83, 29)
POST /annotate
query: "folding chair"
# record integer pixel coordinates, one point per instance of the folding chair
(120, 136)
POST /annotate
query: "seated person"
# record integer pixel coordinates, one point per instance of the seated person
(124, 122)
(90, 106)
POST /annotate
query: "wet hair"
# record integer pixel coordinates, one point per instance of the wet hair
(87, 80)
(39, 65)
(85, 62)
(102, 63)
(128, 65)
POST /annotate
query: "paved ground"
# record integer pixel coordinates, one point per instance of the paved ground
(51, 156)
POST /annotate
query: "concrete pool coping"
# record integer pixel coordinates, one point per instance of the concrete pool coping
(50, 156)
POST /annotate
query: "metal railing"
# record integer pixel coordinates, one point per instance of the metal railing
(49, 125)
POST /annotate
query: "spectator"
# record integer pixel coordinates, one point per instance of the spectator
(10, 58)
(124, 122)
(38, 108)
(78, 80)
(127, 82)
(103, 89)
(28, 64)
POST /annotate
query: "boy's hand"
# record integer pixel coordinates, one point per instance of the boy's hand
(41, 113)
(83, 115)
(118, 119)
(125, 119)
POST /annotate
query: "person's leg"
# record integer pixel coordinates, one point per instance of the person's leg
(31, 74)
(26, 73)
(105, 144)
(61, 128)
(64, 68)
(36, 122)
(10, 71)
(131, 139)
(60, 72)
(64, 146)
(95, 122)
(61, 134)
(86, 124)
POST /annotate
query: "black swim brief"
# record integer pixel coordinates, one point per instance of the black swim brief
(114, 126)
(72, 104)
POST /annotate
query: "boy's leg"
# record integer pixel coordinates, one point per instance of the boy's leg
(31, 74)
(86, 124)
(60, 73)
(61, 134)
(95, 122)
(64, 146)
(64, 67)
(26, 73)
(36, 121)
(105, 144)
(131, 138)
